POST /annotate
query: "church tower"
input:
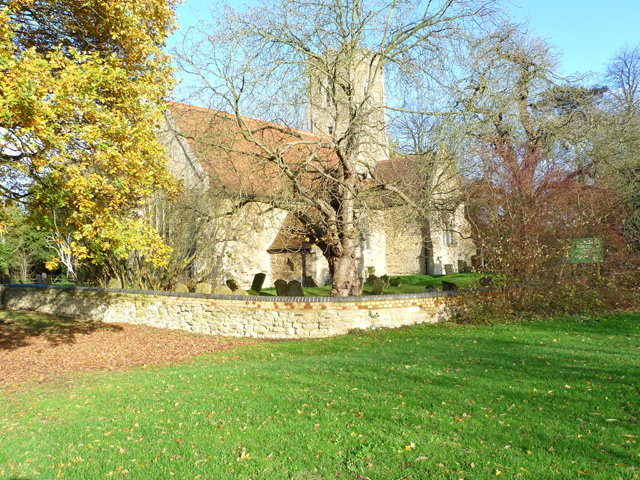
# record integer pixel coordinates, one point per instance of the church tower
(346, 101)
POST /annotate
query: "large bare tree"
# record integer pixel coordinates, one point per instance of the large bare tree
(340, 68)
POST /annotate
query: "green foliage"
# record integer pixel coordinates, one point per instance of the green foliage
(541, 400)
(80, 84)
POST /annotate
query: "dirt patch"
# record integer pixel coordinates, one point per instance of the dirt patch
(42, 347)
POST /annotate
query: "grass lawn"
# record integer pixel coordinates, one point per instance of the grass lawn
(410, 284)
(540, 400)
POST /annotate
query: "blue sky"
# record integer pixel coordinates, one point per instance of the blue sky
(587, 32)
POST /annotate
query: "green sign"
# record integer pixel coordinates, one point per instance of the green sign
(587, 250)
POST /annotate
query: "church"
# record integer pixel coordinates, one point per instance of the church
(208, 153)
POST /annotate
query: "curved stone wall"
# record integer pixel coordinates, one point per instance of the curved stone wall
(228, 315)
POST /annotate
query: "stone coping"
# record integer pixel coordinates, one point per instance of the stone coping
(246, 298)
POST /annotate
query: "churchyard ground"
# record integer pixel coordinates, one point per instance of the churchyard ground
(539, 400)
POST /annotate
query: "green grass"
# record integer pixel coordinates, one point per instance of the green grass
(539, 400)
(410, 284)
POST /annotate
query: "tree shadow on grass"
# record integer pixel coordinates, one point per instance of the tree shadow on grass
(16, 328)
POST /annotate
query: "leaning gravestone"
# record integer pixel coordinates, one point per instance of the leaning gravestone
(181, 288)
(449, 286)
(258, 281)
(233, 285)
(281, 288)
(114, 283)
(378, 287)
(448, 268)
(311, 282)
(203, 288)
(294, 289)
(222, 290)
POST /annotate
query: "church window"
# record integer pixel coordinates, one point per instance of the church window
(447, 238)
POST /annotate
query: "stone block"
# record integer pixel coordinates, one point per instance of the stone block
(281, 288)
(181, 288)
(258, 281)
(378, 287)
(203, 288)
(294, 289)
(311, 282)
(222, 290)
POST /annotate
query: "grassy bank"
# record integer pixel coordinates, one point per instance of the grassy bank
(410, 284)
(544, 400)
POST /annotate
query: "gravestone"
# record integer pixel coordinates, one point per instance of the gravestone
(258, 281)
(462, 266)
(239, 292)
(281, 287)
(448, 268)
(371, 279)
(203, 288)
(294, 289)
(233, 285)
(311, 282)
(378, 287)
(114, 283)
(39, 280)
(486, 282)
(222, 290)
(449, 286)
(395, 282)
(181, 288)
(385, 279)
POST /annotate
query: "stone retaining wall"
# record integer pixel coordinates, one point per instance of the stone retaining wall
(227, 315)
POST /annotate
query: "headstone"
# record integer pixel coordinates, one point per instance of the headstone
(371, 279)
(311, 282)
(258, 281)
(294, 289)
(486, 282)
(462, 265)
(114, 283)
(233, 285)
(39, 280)
(395, 282)
(222, 290)
(203, 288)
(385, 279)
(239, 292)
(378, 287)
(448, 269)
(181, 288)
(468, 269)
(449, 286)
(281, 288)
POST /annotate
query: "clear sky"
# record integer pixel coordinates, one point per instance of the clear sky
(587, 32)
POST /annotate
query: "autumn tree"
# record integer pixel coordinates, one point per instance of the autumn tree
(532, 178)
(324, 67)
(81, 84)
(617, 143)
